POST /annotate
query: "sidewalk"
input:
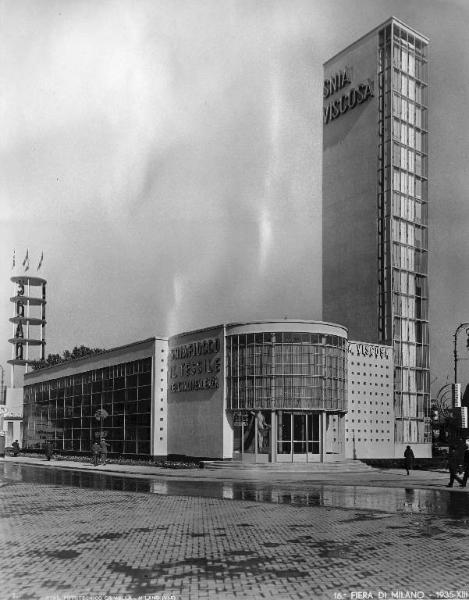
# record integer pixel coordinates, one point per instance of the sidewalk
(377, 477)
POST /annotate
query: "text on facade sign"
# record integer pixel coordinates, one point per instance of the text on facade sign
(355, 96)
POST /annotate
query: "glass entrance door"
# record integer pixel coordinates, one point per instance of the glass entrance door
(252, 439)
(298, 437)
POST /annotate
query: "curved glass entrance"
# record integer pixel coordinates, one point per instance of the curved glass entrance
(285, 390)
(282, 436)
(298, 437)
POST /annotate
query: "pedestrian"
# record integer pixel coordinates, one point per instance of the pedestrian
(466, 465)
(95, 449)
(16, 448)
(453, 464)
(103, 447)
(409, 459)
(48, 450)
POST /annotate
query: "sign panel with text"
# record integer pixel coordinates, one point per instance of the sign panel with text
(350, 96)
(195, 365)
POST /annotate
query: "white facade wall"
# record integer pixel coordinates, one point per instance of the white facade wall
(369, 422)
(159, 401)
(197, 421)
(12, 416)
(419, 450)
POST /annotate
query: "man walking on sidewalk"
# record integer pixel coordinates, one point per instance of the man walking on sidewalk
(48, 450)
(95, 450)
(103, 446)
(453, 464)
(16, 448)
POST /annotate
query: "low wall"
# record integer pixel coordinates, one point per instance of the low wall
(424, 464)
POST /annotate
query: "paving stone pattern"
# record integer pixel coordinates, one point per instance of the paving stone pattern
(62, 541)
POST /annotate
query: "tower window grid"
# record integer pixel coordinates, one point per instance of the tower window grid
(403, 222)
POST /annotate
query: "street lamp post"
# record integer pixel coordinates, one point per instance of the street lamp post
(461, 326)
(2, 421)
(2, 387)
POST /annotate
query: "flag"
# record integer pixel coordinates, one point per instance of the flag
(26, 260)
(40, 261)
(13, 263)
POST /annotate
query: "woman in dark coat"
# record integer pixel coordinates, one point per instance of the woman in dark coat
(409, 459)
(16, 448)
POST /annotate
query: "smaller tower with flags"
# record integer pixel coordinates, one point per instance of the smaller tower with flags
(29, 314)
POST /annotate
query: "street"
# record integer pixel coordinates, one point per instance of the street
(65, 541)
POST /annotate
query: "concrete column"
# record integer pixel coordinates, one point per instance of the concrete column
(255, 437)
(323, 436)
(273, 436)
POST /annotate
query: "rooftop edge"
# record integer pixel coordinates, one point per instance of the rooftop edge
(391, 19)
(74, 361)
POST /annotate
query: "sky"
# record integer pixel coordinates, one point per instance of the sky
(165, 156)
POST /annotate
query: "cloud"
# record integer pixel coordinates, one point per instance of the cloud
(164, 156)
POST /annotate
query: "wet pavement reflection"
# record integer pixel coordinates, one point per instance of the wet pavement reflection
(391, 500)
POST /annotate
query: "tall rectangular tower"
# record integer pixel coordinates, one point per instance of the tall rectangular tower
(375, 238)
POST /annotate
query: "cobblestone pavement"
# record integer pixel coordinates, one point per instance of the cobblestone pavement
(59, 542)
